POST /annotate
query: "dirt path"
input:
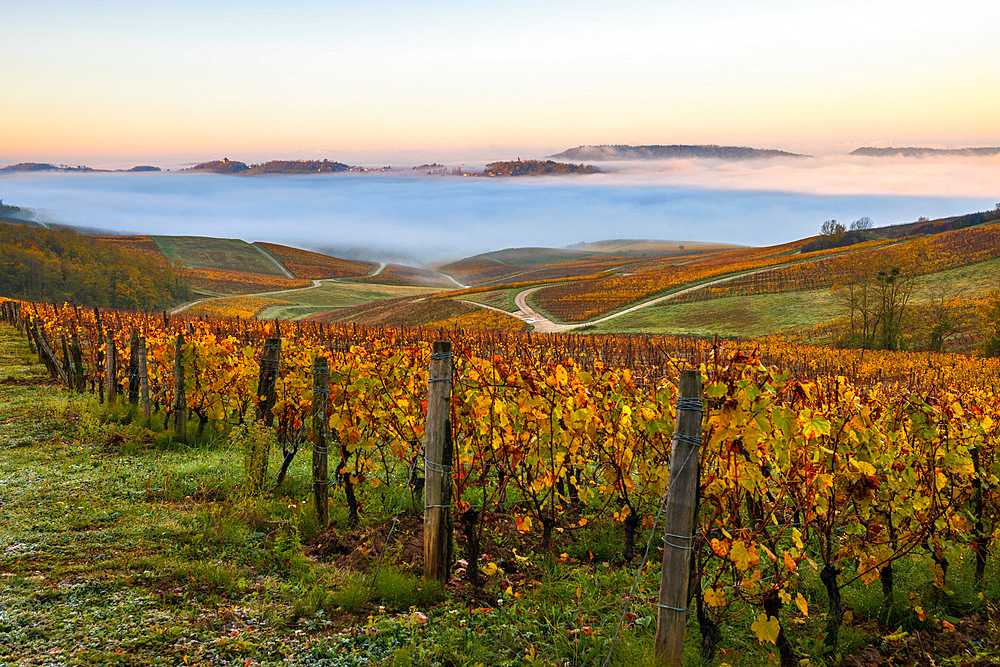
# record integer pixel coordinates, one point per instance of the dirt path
(181, 309)
(378, 269)
(271, 258)
(452, 279)
(543, 324)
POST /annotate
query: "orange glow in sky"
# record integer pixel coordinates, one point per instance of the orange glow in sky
(109, 79)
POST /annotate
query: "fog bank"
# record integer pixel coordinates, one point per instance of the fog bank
(425, 219)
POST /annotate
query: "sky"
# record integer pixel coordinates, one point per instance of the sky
(114, 83)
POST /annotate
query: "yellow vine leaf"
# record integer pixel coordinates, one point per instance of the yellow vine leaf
(744, 557)
(802, 604)
(715, 597)
(766, 628)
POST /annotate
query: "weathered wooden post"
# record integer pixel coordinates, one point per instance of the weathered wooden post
(110, 366)
(266, 380)
(437, 466)
(81, 380)
(32, 343)
(133, 368)
(678, 525)
(67, 364)
(143, 377)
(45, 354)
(321, 474)
(100, 354)
(180, 402)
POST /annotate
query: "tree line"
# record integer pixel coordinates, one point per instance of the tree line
(59, 265)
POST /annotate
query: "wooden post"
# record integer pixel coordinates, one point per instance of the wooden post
(437, 466)
(180, 402)
(67, 365)
(100, 355)
(678, 525)
(143, 377)
(110, 366)
(26, 325)
(45, 354)
(81, 380)
(133, 368)
(321, 474)
(266, 395)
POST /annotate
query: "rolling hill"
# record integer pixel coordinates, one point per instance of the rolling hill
(616, 285)
(660, 152)
(921, 151)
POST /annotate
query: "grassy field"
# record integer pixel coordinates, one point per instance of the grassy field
(502, 299)
(972, 281)
(332, 295)
(227, 254)
(740, 316)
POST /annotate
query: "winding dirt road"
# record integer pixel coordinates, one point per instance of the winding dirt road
(543, 324)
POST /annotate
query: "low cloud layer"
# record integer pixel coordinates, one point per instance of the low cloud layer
(427, 219)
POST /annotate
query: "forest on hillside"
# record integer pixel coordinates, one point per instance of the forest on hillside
(536, 168)
(61, 265)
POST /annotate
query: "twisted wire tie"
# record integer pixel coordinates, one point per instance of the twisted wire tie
(694, 440)
(441, 356)
(427, 507)
(433, 380)
(694, 404)
(678, 537)
(666, 606)
(438, 467)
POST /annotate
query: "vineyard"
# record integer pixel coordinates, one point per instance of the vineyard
(769, 270)
(315, 266)
(818, 471)
(919, 256)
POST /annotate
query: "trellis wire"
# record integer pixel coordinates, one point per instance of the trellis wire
(642, 565)
(392, 528)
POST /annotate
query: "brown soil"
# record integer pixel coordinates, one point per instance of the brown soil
(975, 634)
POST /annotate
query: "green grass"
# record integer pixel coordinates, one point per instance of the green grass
(971, 281)
(743, 316)
(332, 294)
(533, 257)
(227, 254)
(502, 299)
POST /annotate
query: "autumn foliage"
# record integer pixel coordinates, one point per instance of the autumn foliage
(812, 461)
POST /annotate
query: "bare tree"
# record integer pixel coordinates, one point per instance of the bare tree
(862, 224)
(831, 228)
(875, 298)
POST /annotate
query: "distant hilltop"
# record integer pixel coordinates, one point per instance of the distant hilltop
(623, 152)
(227, 166)
(920, 151)
(27, 167)
(536, 168)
